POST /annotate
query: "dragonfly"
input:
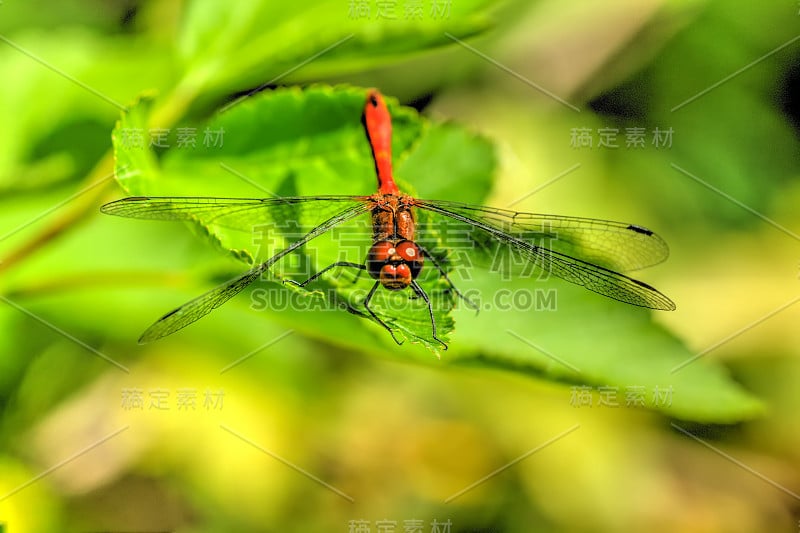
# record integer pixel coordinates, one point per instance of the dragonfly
(588, 252)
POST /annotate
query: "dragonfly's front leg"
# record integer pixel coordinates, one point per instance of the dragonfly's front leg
(327, 268)
(371, 293)
(417, 289)
(469, 302)
(376, 317)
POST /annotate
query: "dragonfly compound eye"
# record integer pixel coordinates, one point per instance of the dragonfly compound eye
(395, 277)
(395, 265)
(409, 252)
(379, 255)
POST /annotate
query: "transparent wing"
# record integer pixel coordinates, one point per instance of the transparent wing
(240, 214)
(613, 245)
(319, 214)
(199, 307)
(574, 249)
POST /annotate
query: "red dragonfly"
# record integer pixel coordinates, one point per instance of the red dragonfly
(583, 251)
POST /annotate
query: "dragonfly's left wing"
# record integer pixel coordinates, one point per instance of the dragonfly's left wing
(236, 213)
(241, 214)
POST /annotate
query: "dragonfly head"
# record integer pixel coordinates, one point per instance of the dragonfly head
(394, 264)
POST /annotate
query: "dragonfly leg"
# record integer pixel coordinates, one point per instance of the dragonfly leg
(469, 302)
(327, 268)
(421, 293)
(376, 317)
(361, 268)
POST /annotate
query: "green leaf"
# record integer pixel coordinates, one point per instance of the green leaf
(305, 143)
(723, 99)
(430, 166)
(227, 50)
(311, 142)
(61, 141)
(561, 332)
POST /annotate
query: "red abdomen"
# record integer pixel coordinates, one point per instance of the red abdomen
(378, 124)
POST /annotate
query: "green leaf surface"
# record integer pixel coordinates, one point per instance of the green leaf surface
(721, 108)
(61, 138)
(307, 143)
(229, 49)
(561, 332)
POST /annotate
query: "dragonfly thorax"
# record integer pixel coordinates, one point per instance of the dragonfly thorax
(392, 218)
(394, 263)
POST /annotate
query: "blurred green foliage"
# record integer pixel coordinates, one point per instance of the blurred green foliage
(325, 396)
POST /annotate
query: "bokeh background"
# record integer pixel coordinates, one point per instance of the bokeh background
(343, 431)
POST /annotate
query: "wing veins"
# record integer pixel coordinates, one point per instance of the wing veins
(222, 212)
(593, 277)
(616, 245)
(205, 303)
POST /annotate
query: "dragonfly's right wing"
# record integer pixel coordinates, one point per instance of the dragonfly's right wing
(618, 246)
(495, 235)
(233, 213)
